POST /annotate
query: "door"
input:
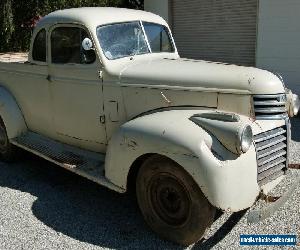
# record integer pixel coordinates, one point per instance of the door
(77, 97)
(30, 87)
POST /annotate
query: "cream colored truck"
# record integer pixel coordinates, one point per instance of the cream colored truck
(105, 94)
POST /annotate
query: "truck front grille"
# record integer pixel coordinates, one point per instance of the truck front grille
(270, 106)
(271, 149)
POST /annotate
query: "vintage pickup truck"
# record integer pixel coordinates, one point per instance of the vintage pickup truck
(105, 95)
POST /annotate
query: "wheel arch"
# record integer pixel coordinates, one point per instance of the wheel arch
(137, 164)
(144, 136)
(11, 114)
(134, 169)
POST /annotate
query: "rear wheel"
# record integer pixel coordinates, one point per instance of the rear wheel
(171, 202)
(7, 150)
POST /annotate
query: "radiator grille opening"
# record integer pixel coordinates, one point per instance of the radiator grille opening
(271, 149)
(270, 106)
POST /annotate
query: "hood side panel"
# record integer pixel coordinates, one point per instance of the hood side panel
(141, 100)
(201, 75)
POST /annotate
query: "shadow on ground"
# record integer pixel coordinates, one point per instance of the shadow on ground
(87, 212)
(222, 232)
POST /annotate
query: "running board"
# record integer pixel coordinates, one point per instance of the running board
(84, 163)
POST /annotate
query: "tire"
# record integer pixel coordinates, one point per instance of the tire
(171, 202)
(7, 150)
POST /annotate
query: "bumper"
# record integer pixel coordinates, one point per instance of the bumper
(269, 207)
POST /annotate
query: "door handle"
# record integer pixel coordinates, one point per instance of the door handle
(49, 78)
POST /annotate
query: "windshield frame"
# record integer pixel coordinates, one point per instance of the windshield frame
(171, 39)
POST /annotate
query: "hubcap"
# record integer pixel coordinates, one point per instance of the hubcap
(170, 199)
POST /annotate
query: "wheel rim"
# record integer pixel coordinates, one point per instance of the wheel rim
(3, 139)
(170, 199)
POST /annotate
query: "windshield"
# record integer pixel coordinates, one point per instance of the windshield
(128, 39)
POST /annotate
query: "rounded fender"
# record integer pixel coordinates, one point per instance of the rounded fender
(11, 114)
(216, 170)
(168, 133)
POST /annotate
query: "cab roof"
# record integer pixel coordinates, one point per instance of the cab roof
(92, 17)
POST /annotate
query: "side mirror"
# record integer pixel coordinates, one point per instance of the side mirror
(89, 55)
(87, 44)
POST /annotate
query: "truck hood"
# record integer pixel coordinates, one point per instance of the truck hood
(199, 75)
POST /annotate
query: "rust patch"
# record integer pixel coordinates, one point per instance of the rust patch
(269, 198)
(74, 159)
(69, 166)
(132, 144)
(294, 166)
(168, 102)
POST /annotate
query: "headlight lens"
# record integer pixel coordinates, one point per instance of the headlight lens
(246, 138)
(296, 104)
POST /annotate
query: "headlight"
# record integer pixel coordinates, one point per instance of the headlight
(292, 104)
(246, 138)
(228, 128)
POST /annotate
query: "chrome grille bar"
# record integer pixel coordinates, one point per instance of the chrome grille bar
(269, 134)
(270, 106)
(270, 109)
(271, 149)
(268, 103)
(270, 142)
(271, 164)
(271, 157)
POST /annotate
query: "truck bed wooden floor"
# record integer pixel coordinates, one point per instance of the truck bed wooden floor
(14, 57)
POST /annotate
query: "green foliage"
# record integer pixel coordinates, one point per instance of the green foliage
(6, 24)
(16, 17)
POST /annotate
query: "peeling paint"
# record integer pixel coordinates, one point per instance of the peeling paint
(166, 99)
(294, 166)
(132, 144)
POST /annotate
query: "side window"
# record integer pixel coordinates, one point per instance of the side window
(39, 47)
(66, 45)
(159, 37)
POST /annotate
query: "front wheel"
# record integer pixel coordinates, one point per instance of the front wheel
(171, 202)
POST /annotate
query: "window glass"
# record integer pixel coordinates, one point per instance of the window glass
(122, 40)
(158, 37)
(66, 45)
(39, 47)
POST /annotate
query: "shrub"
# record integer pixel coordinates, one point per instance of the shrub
(18, 18)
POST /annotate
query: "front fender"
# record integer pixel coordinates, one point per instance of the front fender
(168, 133)
(11, 114)
(172, 134)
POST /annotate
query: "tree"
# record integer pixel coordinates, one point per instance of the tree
(6, 24)
(134, 4)
(16, 17)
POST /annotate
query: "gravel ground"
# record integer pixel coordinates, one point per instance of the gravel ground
(46, 207)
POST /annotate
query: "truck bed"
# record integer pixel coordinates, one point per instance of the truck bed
(14, 57)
